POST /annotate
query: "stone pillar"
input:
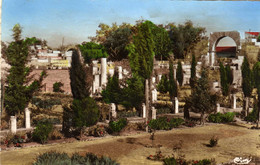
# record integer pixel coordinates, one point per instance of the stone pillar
(153, 96)
(234, 105)
(27, 118)
(176, 109)
(111, 72)
(174, 73)
(13, 124)
(144, 110)
(153, 113)
(159, 77)
(120, 76)
(113, 110)
(153, 79)
(95, 83)
(103, 71)
(218, 107)
(212, 58)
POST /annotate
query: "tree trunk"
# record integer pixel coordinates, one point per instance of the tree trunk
(146, 102)
(247, 107)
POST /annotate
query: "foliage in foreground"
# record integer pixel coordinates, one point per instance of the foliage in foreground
(42, 131)
(163, 123)
(173, 161)
(55, 158)
(117, 126)
(252, 117)
(221, 118)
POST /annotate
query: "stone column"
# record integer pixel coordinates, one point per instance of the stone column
(218, 107)
(119, 69)
(13, 124)
(113, 110)
(212, 58)
(27, 118)
(95, 83)
(176, 109)
(174, 73)
(153, 79)
(103, 71)
(144, 110)
(153, 96)
(159, 77)
(153, 113)
(234, 106)
(155, 92)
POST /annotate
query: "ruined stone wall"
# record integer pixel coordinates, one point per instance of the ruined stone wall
(56, 75)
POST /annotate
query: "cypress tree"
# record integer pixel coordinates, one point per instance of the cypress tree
(229, 75)
(78, 77)
(247, 83)
(173, 89)
(179, 73)
(223, 80)
(163, 84)
(256, 72)
(18, 93)
(193, 71)
(141, 55)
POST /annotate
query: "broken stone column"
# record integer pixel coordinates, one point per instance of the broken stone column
(27, 118)
(212, 58)
(234, 105)
(174, 72)
(144, 110)
(95, 83)
(176, 109)
(113, 110)
(218, 107)
(153, 96)
(13, 124)
(103, 71)
(153, 113)
(120, 76)
(159, 77)
(153, 79)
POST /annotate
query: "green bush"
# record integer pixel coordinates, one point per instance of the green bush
(57, 87)
(221, 118)
(252, 117)
(55, 158)
(117, 126)
(163, 85)
(42, 131)
(213, 141)
(170, 161)
(202, 162)
(162, 123)
(45, 104)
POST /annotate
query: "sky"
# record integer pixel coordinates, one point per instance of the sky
(76, 20)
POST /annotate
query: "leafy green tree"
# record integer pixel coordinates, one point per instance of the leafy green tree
(163, 84)
(92, 51)
(86, 112)
(223, 80)
(201, 100)
(78, 77)
(57, 87)
(173, 88)
(133, 93)
(141, 55)
(113, 92)
(179, 73)
(20, 86)
(116, 43)
(184, 38)
(256, 72)
(247, 83)
(193, 71)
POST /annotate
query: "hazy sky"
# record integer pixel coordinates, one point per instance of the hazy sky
(76, 20)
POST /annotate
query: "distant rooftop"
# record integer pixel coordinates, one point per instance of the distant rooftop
(253, 33)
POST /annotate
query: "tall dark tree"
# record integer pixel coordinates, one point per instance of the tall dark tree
(193, 72)
(78, 77)
(141, 55)
(256, 72)
(201, 99)
(184, 38)
(223, 80)
(173, 88)
(179, 73)
(20, 85)
(229, 75)
(163, 85)
(247, 83)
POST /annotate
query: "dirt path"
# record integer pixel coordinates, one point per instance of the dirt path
(233, 141)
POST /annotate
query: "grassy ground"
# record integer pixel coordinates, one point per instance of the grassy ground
(234, 140)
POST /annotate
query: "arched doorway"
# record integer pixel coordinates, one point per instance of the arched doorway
(216, 37)
(226, 47)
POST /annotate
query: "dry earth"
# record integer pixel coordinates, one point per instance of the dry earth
(234, 140)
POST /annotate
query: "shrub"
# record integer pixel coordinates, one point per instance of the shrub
(117, 126)
(42, 131)
(162, 123)
(221, 118)
(45, 104)
(97, 131)
(213, 141)
(202, 162)
(170, 161)
(252, 117)
(57, 87)
(55, 158)
(55, 134)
